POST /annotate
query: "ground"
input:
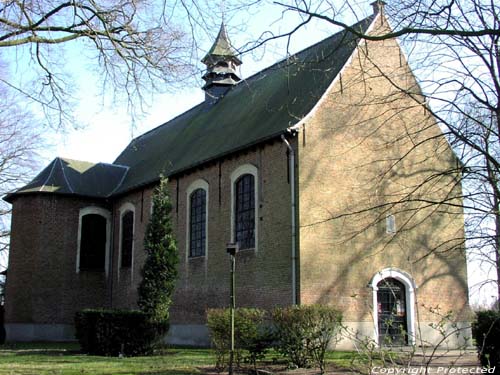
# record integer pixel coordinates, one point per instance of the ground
(65, 359)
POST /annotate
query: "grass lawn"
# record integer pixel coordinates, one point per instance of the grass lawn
(64, 359)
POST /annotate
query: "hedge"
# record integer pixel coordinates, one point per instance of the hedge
(486, 333)
(304, 333)
(117, 332)
(2, 327)
(252, 335)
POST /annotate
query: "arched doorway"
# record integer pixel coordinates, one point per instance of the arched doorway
(391, 308)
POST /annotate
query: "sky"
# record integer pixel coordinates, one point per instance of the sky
(109, 127)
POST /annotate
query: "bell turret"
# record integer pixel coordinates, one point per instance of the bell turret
(221, 62)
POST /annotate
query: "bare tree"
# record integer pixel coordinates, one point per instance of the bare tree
(135, 47)
(453, 48)
(19, 141)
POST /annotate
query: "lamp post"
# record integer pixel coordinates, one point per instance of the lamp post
(231, 249)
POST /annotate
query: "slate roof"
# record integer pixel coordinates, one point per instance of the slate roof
(257, 109)
(74, 177)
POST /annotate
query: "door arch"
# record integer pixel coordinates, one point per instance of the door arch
(393, 307)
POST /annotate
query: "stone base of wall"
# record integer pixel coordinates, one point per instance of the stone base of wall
(198, 335)
(179, 334)
(39, 332)
(188, 334)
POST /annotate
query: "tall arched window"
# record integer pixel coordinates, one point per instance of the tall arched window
(197, 223)
(127, 238)
(93, 243)
(244, 214)
(93, 239)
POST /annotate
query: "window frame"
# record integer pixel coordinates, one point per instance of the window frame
(94, 210)
(196, 185)
(235, 176)
(390, 224)
(124, 209)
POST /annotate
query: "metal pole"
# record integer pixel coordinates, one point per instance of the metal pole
(232, 308)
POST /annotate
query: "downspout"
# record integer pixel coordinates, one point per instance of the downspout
(294, 229)
(111, 255)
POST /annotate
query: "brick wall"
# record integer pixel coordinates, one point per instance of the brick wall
(366, 147)
(263, 276)
(43, 286)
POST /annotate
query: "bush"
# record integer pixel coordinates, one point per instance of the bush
(304, 333)
(252, 334)
(115, 332)
(486, 331)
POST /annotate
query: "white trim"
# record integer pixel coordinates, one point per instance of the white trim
(195, 185)
(410, 289)
(107, 215)
(124, 208)
(241, 170)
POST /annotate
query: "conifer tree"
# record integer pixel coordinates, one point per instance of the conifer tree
(159, 273)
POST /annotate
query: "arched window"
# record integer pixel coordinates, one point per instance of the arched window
(127, 238)
(197, 223)
(93, 236)
(244, 214)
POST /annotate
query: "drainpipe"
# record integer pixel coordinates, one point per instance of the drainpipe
(111, 255)
(294, 229)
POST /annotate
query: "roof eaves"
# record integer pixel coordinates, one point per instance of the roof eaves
(197, 164)
(10, 197)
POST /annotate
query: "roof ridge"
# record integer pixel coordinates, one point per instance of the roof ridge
(65, 177)
(113, 165)
(50, 174)
(119, 184)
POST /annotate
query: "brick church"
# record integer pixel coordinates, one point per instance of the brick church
(320, 166)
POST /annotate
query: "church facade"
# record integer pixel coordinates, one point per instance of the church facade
(321, 167)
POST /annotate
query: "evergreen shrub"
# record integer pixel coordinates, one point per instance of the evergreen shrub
(486, 333)
(117, 332)
(159, 273)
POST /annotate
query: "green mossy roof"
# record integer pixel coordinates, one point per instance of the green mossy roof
(74, 177)
(259, 108)
(256, 109)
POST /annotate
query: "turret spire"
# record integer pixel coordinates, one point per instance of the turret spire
(221, 61)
